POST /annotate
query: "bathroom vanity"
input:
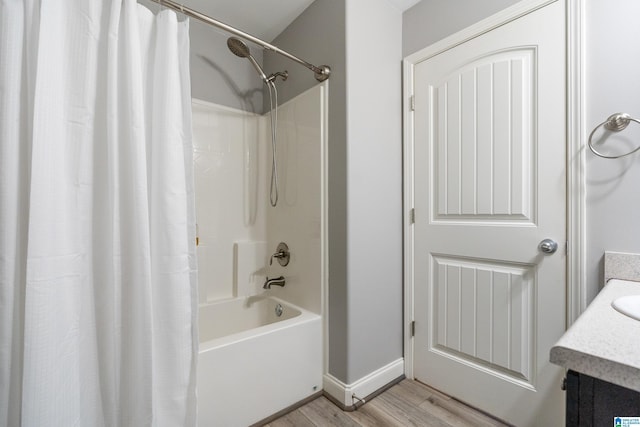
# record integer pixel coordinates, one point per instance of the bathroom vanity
(601, 350)
(594, 402)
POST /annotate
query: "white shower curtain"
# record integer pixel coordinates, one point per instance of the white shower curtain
(97, 226)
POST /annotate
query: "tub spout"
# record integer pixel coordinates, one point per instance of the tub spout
(278, 281)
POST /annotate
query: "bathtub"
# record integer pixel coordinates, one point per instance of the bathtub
(253, 363)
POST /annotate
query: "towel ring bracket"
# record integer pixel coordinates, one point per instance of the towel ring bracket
(616, 122)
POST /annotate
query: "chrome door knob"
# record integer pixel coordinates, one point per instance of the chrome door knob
(548, 246)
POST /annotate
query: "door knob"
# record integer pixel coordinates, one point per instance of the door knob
(548, 246)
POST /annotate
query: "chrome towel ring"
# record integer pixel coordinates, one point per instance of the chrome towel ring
(615, 122)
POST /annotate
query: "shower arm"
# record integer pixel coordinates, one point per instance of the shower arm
(321, 73)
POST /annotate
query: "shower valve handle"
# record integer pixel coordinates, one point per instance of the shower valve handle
(278, 255)
(282, 255)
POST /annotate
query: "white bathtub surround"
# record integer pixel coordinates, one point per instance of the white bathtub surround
(97, 254)
(253, 364)
(250, 267)
(347, 395)
(299, 219)
(230, 154)
(232, 165)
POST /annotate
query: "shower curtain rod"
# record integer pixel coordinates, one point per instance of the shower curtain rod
(321, 73)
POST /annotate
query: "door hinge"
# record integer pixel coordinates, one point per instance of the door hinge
(412, 216)
(412, 103)
(412, 328)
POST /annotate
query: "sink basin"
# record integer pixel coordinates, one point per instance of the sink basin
(628, 305)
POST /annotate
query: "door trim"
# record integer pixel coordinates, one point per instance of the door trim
(576, 249)
(576, 132)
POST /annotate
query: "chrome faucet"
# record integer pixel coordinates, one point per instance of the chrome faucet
(278, 281)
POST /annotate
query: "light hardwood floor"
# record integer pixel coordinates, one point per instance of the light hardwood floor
(408, 403)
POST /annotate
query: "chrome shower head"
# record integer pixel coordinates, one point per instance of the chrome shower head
(240, 48)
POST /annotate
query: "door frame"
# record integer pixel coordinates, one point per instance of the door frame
(576, 242)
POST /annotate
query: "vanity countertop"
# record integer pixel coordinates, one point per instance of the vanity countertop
(602, 342)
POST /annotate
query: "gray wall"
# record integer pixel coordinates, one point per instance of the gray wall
(612, 85)
(432, 20)
(365, 172)
(217, 75)
(316, 36)
(308, 38)
(374, 185)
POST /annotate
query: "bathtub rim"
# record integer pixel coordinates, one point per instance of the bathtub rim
(304, 317)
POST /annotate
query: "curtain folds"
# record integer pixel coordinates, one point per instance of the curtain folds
(98, 299)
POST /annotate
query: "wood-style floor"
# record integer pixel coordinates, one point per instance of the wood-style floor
(408, 403)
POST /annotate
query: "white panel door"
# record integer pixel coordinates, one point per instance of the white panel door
(489, 186)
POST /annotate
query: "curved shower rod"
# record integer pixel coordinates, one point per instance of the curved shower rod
(321, 73)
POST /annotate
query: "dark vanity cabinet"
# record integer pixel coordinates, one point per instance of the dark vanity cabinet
(592, 402)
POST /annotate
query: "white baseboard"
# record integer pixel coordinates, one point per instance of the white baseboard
(343, 393)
